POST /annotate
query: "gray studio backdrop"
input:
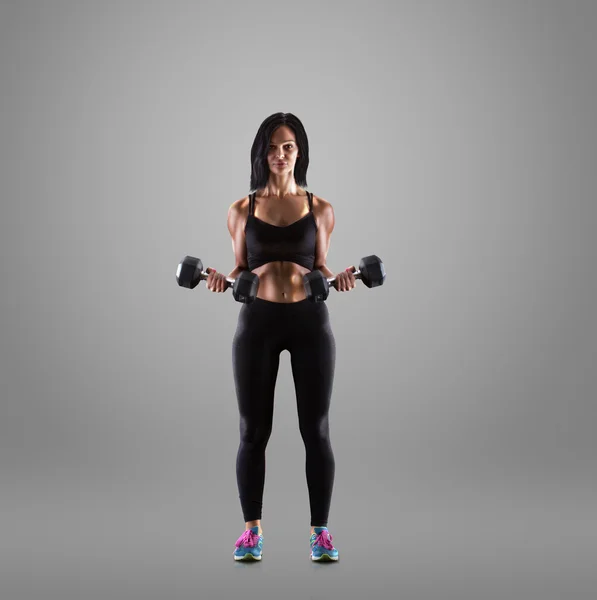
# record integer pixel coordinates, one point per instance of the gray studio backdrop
(455, 140)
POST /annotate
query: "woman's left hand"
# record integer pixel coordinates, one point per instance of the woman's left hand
(345, 280)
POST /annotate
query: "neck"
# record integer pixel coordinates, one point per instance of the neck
(280, 186)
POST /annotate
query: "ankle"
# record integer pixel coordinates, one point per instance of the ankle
(259, 530)
(316, 526)
(255, 523)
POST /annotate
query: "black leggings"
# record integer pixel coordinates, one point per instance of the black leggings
(265, 329)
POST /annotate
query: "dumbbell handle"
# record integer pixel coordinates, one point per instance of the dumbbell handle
(357, 275)
(229, 280)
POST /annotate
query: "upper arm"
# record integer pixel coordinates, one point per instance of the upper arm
(325, 221)
(237, 218)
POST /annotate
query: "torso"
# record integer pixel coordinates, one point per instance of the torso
(281, 281)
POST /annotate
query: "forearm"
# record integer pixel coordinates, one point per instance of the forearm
(326, 272)
(236, 272)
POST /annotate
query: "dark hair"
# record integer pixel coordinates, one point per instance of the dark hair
(260, 148)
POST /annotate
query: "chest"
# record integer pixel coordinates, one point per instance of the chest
(281, 213)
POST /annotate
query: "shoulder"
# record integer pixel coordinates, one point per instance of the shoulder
(239, 207)
(323, 211)
(321, 204)
(240, 204)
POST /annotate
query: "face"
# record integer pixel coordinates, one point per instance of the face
(282, 149)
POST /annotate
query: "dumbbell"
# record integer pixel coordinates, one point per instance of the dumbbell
(371, 272)
(244, 288)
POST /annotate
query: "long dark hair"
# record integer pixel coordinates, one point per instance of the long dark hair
(260, 148)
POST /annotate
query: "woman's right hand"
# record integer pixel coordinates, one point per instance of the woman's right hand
(216, 282)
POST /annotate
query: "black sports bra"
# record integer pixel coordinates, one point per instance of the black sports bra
(293, 243)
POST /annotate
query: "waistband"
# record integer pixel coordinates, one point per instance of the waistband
(286, 308)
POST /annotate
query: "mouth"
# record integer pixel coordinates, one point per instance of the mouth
(280, 164)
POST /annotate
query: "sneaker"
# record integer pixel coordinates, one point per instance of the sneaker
(249, 545)
(321, 545)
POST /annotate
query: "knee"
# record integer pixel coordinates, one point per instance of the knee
(315, 432)
(254, 435)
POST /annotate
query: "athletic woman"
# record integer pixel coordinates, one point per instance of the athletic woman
(281, 232)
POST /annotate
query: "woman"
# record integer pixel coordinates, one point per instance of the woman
(282, 232)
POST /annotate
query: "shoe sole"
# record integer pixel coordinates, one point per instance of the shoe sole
(248, 556)
(324, 558)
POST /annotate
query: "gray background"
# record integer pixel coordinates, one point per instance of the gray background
(456, 140)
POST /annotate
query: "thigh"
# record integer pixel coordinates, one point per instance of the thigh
(255, 362)
(313, 360)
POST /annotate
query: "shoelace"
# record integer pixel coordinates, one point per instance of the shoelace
(248, 538)
(324, 539)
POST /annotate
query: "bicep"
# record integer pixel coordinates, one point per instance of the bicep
(237, 233)
(324, 231)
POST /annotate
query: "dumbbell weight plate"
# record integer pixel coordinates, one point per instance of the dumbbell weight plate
(373, 273)
(245, 287)
(189, 271)
(317, 287)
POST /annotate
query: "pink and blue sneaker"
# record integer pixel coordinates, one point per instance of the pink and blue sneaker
(321, 545)
(249, 545)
